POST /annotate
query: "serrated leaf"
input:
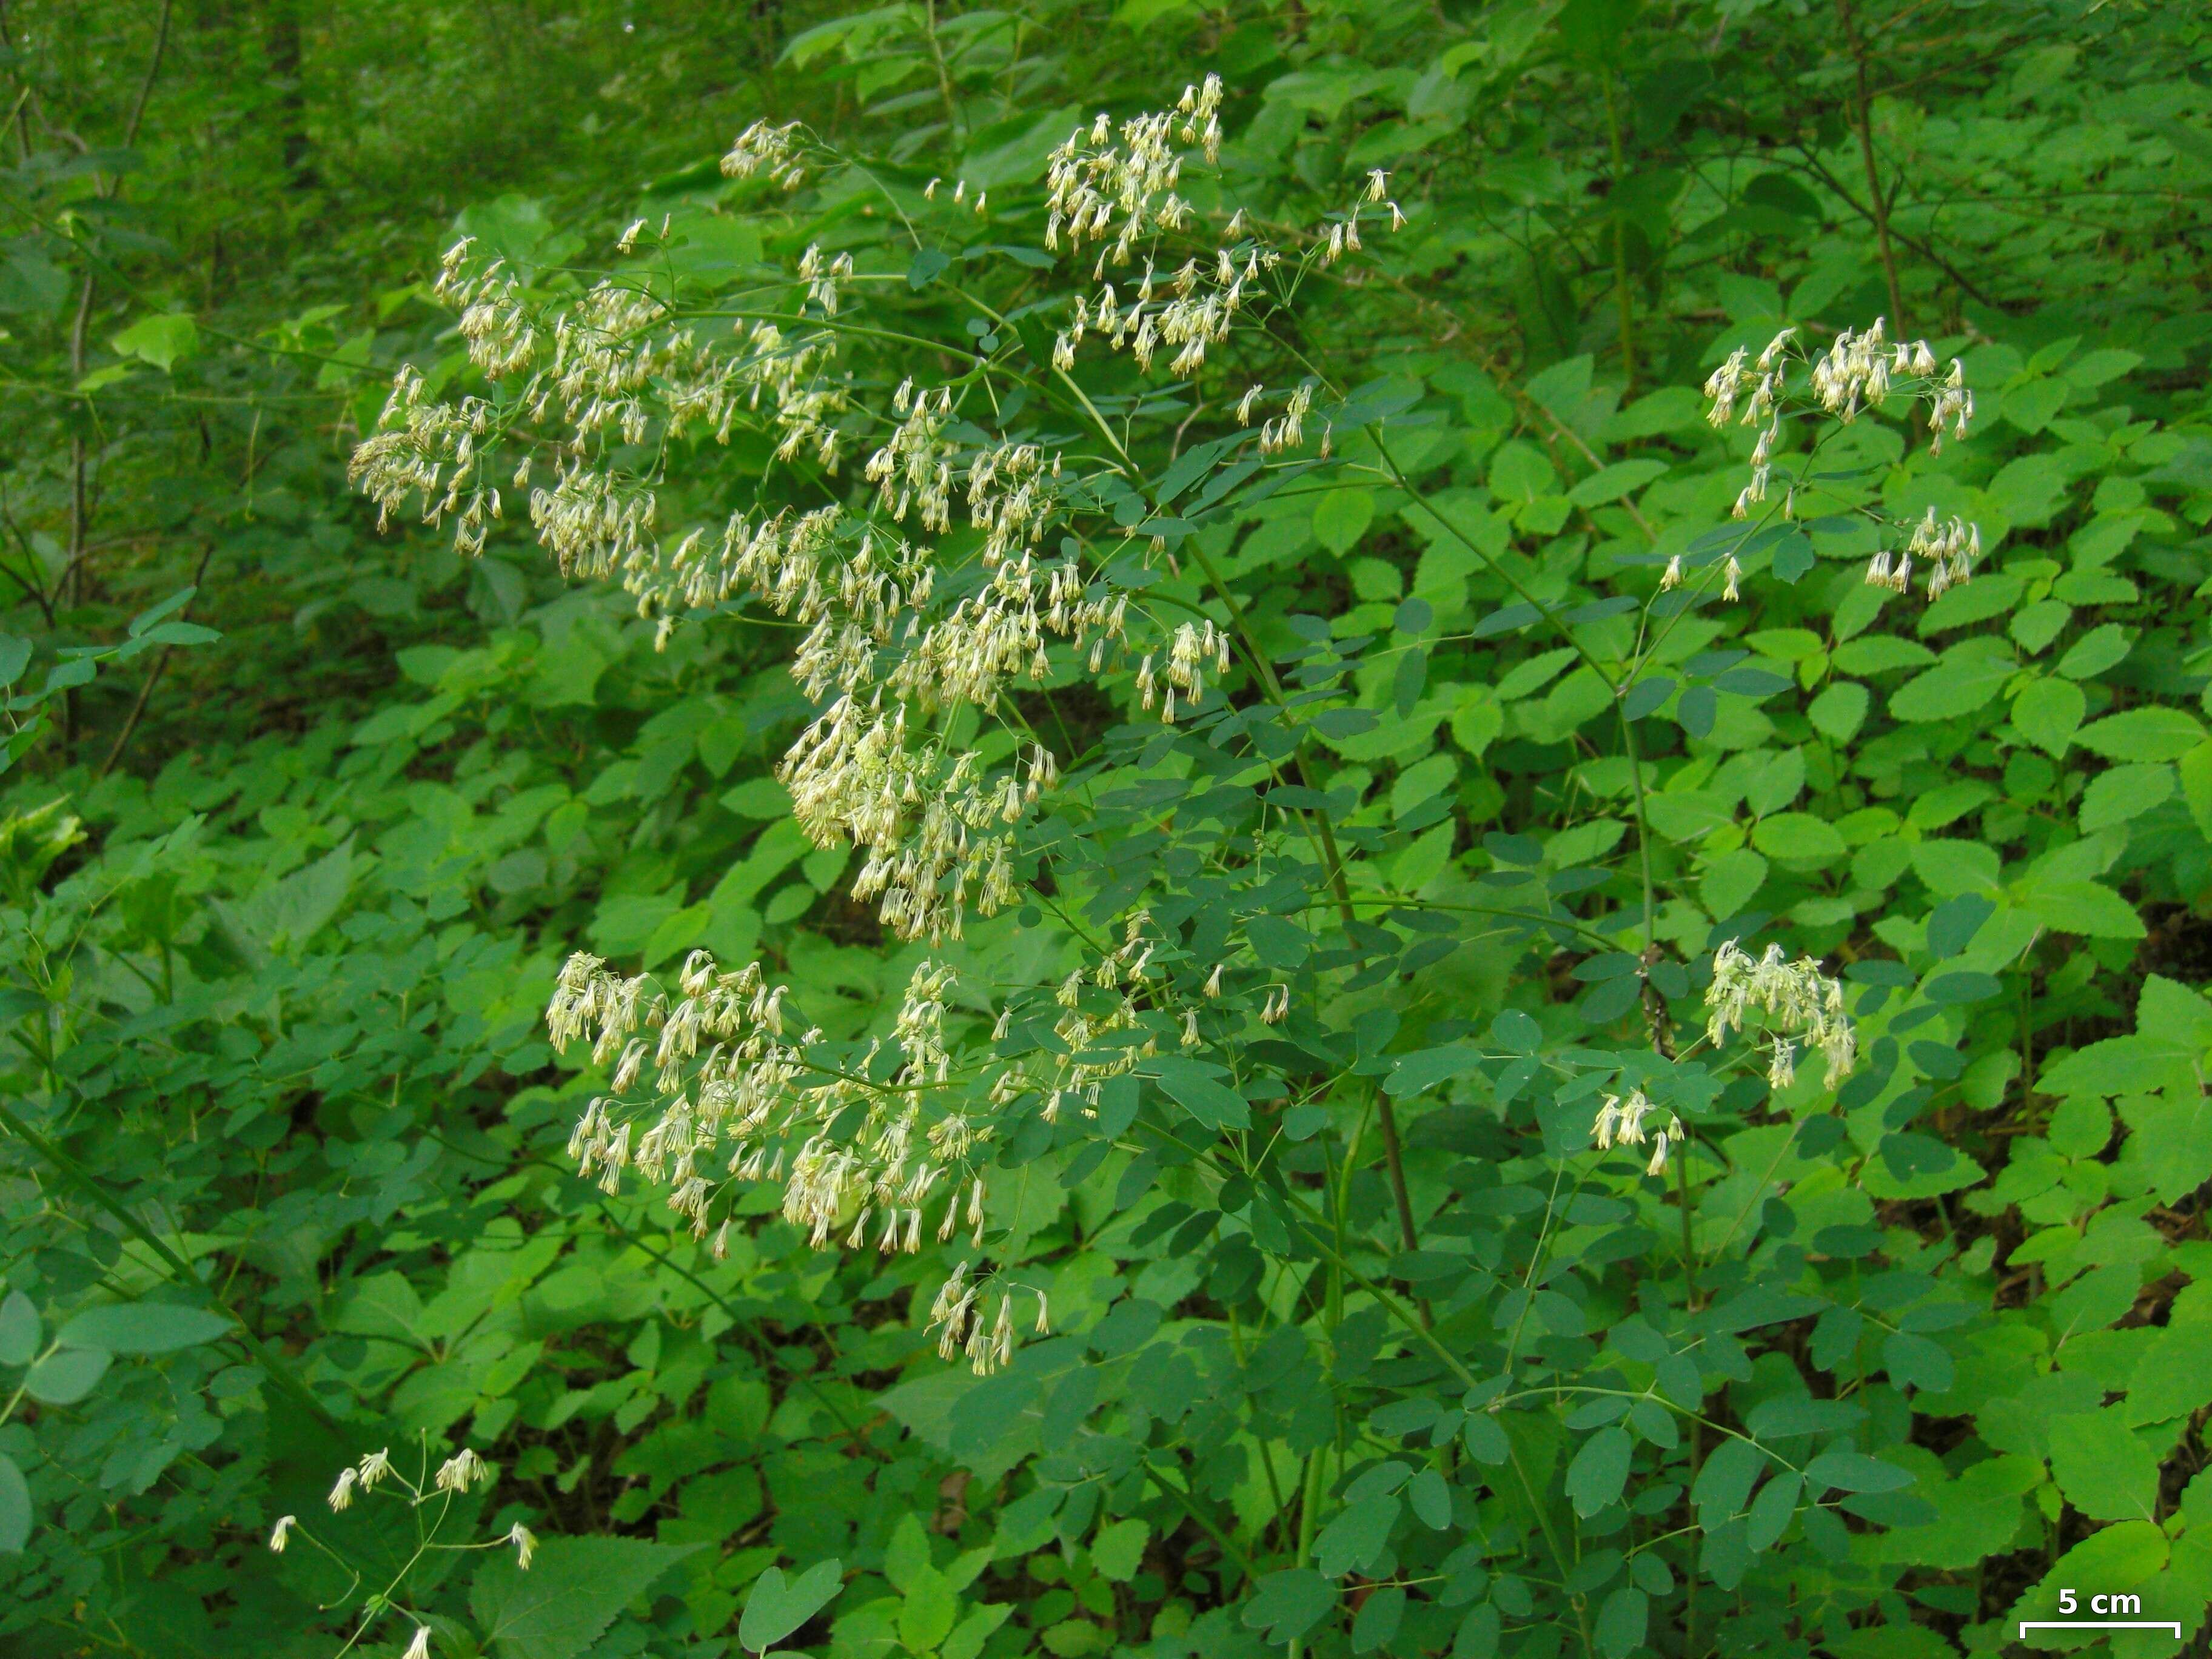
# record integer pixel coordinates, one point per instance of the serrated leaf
(1341, 517)
(2048, 712)
(2100, 648)
(1610, 483)
(1839, 712)
(1956, 685)
(1801, 838)
(1119, 1549)
(2082, 907)
(925, 1613)
(571, 1593)
(2105, 1471)
(2156, 732)
(906, 1553)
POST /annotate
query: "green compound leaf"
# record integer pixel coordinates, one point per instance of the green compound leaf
(1956, 685)
(2104, 1470)
(1855, 1471)
(1353, 1540)
(1289, 1604)
(571, 1593)
(2048, 712)
(1771, 1512)
(925, 1616)
(1431, 1495)
(1599, 1470)
(778, 1606)
(64, 1378)
(19, 1329)
(1119, 1549)
(1341, 517)
(142, 1327)
(2155, 733)
(1839, 712)
(1621, 1622)
(1191, 1085)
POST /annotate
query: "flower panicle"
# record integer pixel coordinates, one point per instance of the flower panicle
(1800, 1006)
(1860, 370)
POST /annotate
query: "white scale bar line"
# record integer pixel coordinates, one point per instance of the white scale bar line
(2027, 1625)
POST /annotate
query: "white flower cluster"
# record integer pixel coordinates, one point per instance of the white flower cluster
(608, 377)
(915, 468)
(753, 1107)
(1000, 632)
(1095, 185)
(1621, 1122)
(601, 371)
(767, 147)
(598, 523)
(1731, 574)
(1344, 231)
(434, 451)
(932, 824)
(1859, 371)
(988, 1342)
(1200, 308)
(791, 369)
(1288, 429)
(1012, 496)
(496, 321)
(454, 1477)
(1803, 1006)
(1767, 380)
(1949, 550)
(1191, 649)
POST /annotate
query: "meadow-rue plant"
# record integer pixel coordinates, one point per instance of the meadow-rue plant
(1399, 851)
(926, 648)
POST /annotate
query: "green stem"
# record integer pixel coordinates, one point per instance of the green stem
(1391, 470)
(1620, 241)
(1206, 1522)
(279, 1372)
(1696, 1426)
(1877, 204)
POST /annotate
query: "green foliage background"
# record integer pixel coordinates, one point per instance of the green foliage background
(301, 818)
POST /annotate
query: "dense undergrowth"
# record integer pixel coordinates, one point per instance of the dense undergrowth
(1275, 1177)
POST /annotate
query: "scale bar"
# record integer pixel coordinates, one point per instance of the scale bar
(2027, 1625)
